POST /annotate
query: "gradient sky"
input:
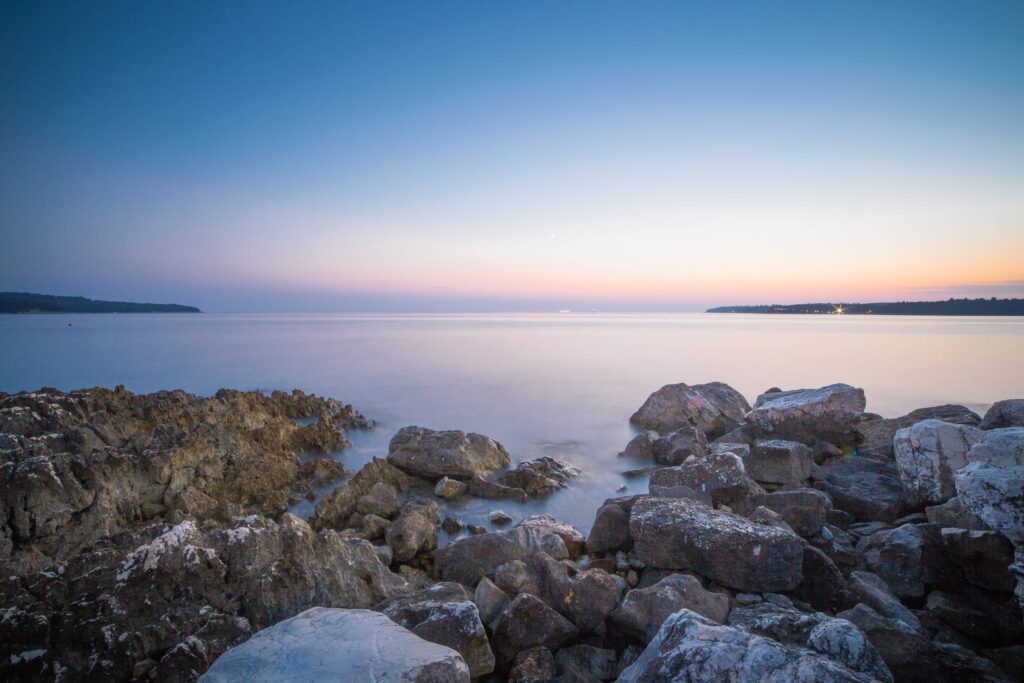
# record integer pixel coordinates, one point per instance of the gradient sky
(246, 156)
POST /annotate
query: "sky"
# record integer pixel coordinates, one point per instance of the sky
(501, 156)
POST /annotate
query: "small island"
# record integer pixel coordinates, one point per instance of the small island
(24, 302)
(991, 306)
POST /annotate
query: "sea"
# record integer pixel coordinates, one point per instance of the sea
(559, 384)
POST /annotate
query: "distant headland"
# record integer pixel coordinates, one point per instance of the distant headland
(24, 302)
(991, 306)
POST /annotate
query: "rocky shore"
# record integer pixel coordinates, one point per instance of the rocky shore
(146, 537)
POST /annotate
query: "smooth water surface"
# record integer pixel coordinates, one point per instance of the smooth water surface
(558, 384)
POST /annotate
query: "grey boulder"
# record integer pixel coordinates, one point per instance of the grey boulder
(436, 454)
(829, 414)
(928, 454)
(710, 408)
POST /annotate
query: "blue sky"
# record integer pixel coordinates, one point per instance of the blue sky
(508, 156)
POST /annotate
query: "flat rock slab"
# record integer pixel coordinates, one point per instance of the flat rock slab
(678, 533)
(324, 644)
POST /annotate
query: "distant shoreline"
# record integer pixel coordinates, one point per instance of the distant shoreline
(27, 303)
(947, 307)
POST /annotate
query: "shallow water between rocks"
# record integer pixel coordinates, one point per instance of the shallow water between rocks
(542, 384)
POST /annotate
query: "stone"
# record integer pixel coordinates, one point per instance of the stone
(445, 614)
(905, 651)
(691, 647)
(909, 558)
(539, 476)
(641, 446)
(575, 543)
(374, 527)
(644, 610)
(822, 580)
(877, 433)
(711, 407)
(468, 559)
(449, 489)
(676, 533)
(867, 487)
(830, 414)
(994, 495)
(490, 600)
(1001, 447)
(984, 557)
(484, 488)
(385, 554)
(527, 622)
(592, 596)
(533, 665)
(380, 500)
(341, 645)
(336, 508)
(952, 514)
(1007, 413)
(415, 530)
(677, 446)
(838, 545)
(803, 509)
(780, 462)
(722, 477)
(978, 616)
(499, 517)
(588, 662)
(1009, 659)
(957, 664)
(927, 454)
(435, 454)
(610, 530)
(871, 590)
(763, 515)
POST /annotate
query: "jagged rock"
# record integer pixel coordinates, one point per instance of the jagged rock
(909, 558)
(449, 488)
(867, 487)
(338, 645)
(691, 647)
(822, 581)
(720, 476)
(527, 622)
(763, 515)
(1001, 447)
(709, 407)
(533, 665)
(484, 488)
(644, 610)
(952, 514)
(829, 414)
(927, 455)
(837, 544)
(489, 600)
(984, 557)
(587, 662)
(610, 530)
(877, 433)
(445, 614)
(871, 590)
(679, 445)
(677, 533)
(333, 511)
(641, 446)
(1007, 413)
(415, 530)
(539, 476)
(433, 454)
(993, 494)
(468, 559)
(905, 651)
(775, 461)
(593, 595)
(574, 541)
(803, 509)
(380, 500)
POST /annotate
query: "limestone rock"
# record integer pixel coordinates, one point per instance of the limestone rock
(804, 509)
(333, 511)
(610, 530)
(867, 487)
(492, 490)
(380, 500)
(490, 600)
(533, 665)
(877, 433)
(415, 530)
(905, 651)
(994, 495)
(641, 446)
(449, 488)
(433, 454)
(910, 558)
(677, 446)
(927, 455)
(574, 541)
(709, 407)
(829, 414)
(1002, 447)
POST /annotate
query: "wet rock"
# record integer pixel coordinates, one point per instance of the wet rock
(905, 651)
(468, 559)
(927, 455)
(527, 622)
(871, 590)
(338, 644)
(574, 541)
(435, 454)
(445, 614)
(867, 487)
(830, 414)
(610, 530)
(877, 433)
(779, 462)
(676, 533)
(909, 558)
(1007, 413)
(679, 445)
(533, 665)
(333, 511)
(489, 600)
(539, 476)
(984, 557)
(711, 407)
(380, 500)
(644, 610)
(587, 662)
(722, 477)
(641, 446)
(449, 488)
(415, 530)
(484, 488)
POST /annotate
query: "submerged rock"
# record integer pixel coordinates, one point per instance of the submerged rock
(711, 408)
(433, 454)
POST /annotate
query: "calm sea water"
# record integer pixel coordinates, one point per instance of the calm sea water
(560, 384)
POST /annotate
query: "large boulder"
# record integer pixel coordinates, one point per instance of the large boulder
(677, 446)
(689, 647)
(1002, 447)
(909, 558)
(995, 495)
(527, 622)
(927, 455)
(468, 559)
(870, 589)
(864, 486)
(457, 454)
(722, 477)
(678, 533)
(803, 509)
(905, 651)
(711, 408)
(877, 433)
(1007, 413)
(828, 414)
(983, 557)
(574, 540)
(415, 530)
(645, 609)
(774, 461)
(338, 645)
(610, 530)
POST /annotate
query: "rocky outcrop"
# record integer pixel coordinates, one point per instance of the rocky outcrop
(712, 408)
(877, 433)
(324, 644)
(828, 414)
(432, 454)
(927, 455)
(1007, 413)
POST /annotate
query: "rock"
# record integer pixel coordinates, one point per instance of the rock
(952, 514)
(691, 647)
(610, 530)
(993, 494)
(533, 665)
(721, 476)
(837, 544)
(489, 600)
(468, 559)
(432, 454)
(527, 622)
(445, 614)
(1009, 659)
(1007, 413)
(374, 527)
(415, 530)
(645, 609)
(679, 445)
(978, 616)
(957, 664)
(448, 488)
(539, 476)
(803, 509)
(341, 645)
(380, 500)
(927, 455)
(1000, 447)
(483, 488)
(877, 433)
(871, 590)
(676, 533)
(709, 407)
(984, 557)
(593, 595)
(499, 517)
(333, 511)
(909, 558)
(906, 652)
(574, 541)
(588, 662)
(763, 515)
(779, 462)
(822, 581)
(867, 487)
(385, 554)
(641, 446)
(830, 414)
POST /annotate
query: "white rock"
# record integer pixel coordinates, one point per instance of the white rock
(928, 454)
(995, 495)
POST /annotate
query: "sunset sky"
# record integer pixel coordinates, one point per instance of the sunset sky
(249, 156)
